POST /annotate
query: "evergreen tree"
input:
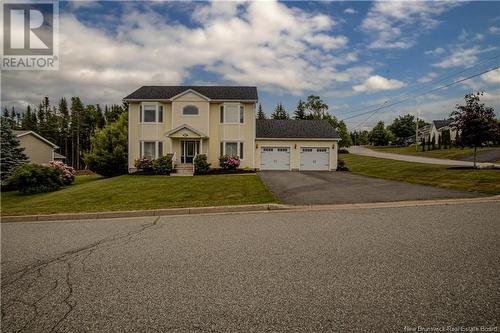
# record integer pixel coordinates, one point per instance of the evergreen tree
(64, 121)
(260, 113)
(28, 120)
(76, 132)
(108, 156)
(113, 112)
(11, 152)
(423, 144)
(440, 141)
(300, 112)
(433, 142)
(280, 112)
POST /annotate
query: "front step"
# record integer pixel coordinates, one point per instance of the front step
(184, 170)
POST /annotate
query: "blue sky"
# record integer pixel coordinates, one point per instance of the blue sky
(355, 55)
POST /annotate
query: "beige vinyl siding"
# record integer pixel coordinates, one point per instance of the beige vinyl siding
(295, 146)
(38, 151)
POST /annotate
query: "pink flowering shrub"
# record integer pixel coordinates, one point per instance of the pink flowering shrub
(229, 162)
(67, 172)
(144, 164)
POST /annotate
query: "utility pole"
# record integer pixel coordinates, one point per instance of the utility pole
(416, 136)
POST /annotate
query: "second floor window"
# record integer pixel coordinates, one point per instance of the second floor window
(232, 113)
(152, 113)
(190, 110)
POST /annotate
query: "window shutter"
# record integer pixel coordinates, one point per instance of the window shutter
(160, 114)
(222, 114)
(222, 149)
(140, 114)
(242, 114)
(160, 148)
(241, 150)
(140, 149)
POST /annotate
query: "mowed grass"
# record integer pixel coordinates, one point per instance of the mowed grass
(452, 153)
(96, 194)
(484, 181)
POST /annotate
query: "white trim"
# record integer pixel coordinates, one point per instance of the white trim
(157, 148)
(170, 100)
(190, 91)
(185, 126)
(39, 137)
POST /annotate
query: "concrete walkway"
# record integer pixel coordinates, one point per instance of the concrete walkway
(407, 158)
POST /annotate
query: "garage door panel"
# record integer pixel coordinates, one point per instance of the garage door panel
(275, 158)
(315, 159)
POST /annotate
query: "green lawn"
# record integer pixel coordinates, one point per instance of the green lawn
(452, 153)
(485, 181)
(93, 194)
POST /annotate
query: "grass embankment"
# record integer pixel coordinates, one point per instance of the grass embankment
(484, 181)
(96, 194)
(452, 153)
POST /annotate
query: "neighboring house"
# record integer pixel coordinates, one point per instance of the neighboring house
(220, 120)
(38, 149)
(436, 129)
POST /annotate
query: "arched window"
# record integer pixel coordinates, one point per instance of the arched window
(190, 110)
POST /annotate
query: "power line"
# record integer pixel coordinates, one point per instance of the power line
(422, 94)
(433, 82)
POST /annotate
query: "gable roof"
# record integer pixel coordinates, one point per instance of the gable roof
(295, 129)
(187, 127)
(36, 135)
(230, 93)
(441, 123)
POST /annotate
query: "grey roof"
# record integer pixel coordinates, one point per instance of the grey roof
(295, 129)
(441, 123)
(213, 92)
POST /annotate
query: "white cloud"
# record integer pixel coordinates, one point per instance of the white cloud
(492, 77)
(428, 77)
(460, 58)
(350, 11)
(260, 43)
(435, 52)
(494, 30)
(378, 83)
(397, 24)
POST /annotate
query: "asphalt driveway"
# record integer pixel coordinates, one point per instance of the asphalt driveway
(343, 187)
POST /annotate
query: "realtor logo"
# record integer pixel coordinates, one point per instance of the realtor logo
(30, 35)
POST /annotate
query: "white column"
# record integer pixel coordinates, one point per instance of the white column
(201, 146)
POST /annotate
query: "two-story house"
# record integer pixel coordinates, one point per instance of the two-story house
(220, 120)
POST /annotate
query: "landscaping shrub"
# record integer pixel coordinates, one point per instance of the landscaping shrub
(229, 162)
(201, 165)
(341, 165)
(67, 172)
(163, 165)
(343, 151)
(144, 164)
(34, 178)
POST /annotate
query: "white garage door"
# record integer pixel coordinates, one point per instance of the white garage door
(315, 158)
(275, 158)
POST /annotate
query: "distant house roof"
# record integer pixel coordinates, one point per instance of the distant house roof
(441, 123)
(58, 156)
(36, 135)
(295, 129)
(229, 93)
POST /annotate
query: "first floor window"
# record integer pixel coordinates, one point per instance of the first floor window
(232, 149)
(151, 149)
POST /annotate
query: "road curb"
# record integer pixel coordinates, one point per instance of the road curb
(143, 213)
(242, 209)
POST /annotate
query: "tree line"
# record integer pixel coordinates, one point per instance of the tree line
(314, 108)
(69, 125)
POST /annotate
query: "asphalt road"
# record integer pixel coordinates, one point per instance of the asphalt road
(312, 187)
(371, 270)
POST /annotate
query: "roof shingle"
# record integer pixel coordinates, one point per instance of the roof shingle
(441, 123)
(295, 129)
(242, 93)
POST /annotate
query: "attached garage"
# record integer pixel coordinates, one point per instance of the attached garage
(275, 158)
(314, 159)
(296, 145)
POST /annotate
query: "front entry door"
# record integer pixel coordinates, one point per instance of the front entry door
(189, 150)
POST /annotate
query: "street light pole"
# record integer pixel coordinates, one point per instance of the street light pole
(416, 136)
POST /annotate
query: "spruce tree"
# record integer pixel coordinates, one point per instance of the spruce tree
(100, 121)
(64, 120)
(11, 152)
(280, 112)
(260, 113)
(300, 112)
